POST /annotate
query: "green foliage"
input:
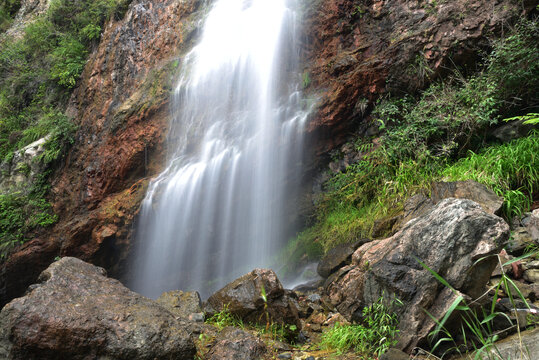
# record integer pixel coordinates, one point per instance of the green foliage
(68, 61)
(38, 71)
(8, 10)
(511, 170)
(513, 66)
(22, 213)
(529, 119)
(370, 339)
(224, 318)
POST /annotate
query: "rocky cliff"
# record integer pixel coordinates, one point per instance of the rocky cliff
(354, 51)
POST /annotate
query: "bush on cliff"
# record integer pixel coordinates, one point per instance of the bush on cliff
(441, 135)
(37, 75)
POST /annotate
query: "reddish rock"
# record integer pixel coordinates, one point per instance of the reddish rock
(358, 50)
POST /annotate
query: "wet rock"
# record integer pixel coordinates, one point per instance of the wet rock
(338, 257)
(181, 304)
(472, 190)
(76, 312)
(448, 239)
(244, 298)
(236, 344)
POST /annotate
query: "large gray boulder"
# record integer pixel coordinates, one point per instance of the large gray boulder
(76, 312)
(449, 240)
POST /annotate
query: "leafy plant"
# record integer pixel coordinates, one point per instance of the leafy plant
(370, 339)
(529, 119)
(224, 318)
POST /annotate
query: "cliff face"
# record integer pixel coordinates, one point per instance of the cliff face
(359, 50)
(354, 52)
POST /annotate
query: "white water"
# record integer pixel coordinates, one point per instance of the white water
(235, 147)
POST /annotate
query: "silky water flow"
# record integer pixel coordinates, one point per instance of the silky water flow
(235, 148)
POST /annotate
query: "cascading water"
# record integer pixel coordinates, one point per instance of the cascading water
(235, 148)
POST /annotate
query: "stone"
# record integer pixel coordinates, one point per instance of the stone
(196, 317)
(448, 239)
(520, 240)
(394, 354)
(522, 346)
(532, 275)
(76, 312)
(286, 355)
(236, 344)
(513, 130)
(469, 189)
(243, 298)
(181, 304)
(337, 257)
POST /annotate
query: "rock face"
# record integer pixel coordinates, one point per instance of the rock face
(361, 49)
(469, 189)
(76, 312)
(20, 172)
(243, 298)
(448, 239)
(337, 257)
(236, 344)
(181, 303)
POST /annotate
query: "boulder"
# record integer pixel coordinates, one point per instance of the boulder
(513, 130)
(76, 312)
(469, 189)
(449, 240)
(244, 298)
(236, 344)
(182, 304)
(337, 257)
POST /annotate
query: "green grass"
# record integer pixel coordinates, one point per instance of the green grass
(370, 339)
(511, 170)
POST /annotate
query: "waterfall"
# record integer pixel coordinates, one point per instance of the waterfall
(220, 207)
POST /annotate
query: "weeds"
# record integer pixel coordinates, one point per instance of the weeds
(225, 318)
(374, 337)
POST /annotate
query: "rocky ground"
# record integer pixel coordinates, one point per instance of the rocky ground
(76, 312)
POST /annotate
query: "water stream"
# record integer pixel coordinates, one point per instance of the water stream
(235, 147)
